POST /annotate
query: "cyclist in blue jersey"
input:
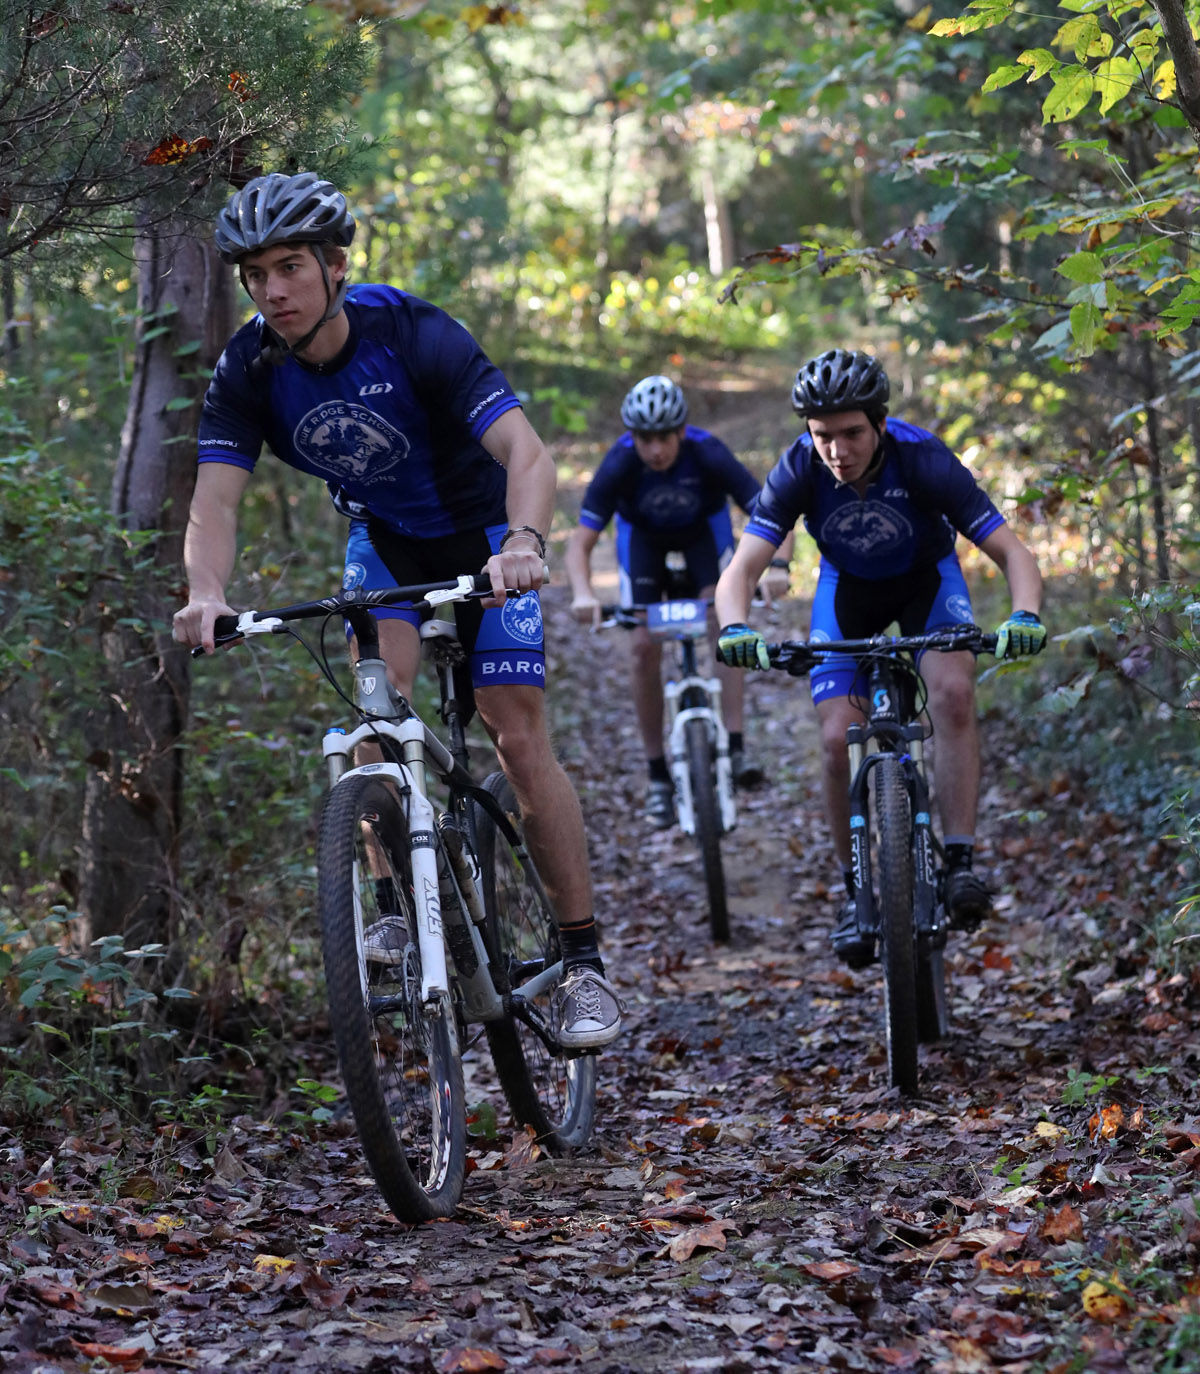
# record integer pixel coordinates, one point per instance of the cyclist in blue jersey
(668, 484)
(426, 450)
(885, 502)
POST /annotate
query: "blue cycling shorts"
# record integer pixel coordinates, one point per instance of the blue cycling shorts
(846, 607)
(642, 557)
(505, 644)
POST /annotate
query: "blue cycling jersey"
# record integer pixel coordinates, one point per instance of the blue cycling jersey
(393, 424)
(674, 504)
(921, 497)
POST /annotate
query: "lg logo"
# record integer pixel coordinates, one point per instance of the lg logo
(375, 389)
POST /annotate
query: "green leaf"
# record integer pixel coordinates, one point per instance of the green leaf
(1086, 319)
(1002, 76)
(1115, 80)
(1082, 267)
(1040, 61)
(179, 403)
(1072, 90)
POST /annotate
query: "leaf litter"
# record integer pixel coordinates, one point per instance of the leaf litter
(756, 1197)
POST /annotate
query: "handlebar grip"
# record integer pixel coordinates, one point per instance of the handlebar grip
(225, 626)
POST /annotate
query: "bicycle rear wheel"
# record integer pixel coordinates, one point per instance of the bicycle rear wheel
(399, 1059)
(707, 812)
(894, 868)
(553, 1094)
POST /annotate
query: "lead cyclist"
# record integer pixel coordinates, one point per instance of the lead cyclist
(426, 450)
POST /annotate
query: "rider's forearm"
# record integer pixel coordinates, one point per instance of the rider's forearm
(578, 561)
(1019, 567)
(735, 587)
(209, 550)
(733, 595)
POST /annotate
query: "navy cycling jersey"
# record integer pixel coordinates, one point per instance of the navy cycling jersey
(675, 503)
(917, 503)
(393, 424)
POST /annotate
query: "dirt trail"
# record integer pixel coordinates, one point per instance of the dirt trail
(757, 1198)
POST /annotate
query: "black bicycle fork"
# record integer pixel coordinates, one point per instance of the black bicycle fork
(903, 742)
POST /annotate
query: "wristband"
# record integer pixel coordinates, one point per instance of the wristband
(526, 529)
(781, 563)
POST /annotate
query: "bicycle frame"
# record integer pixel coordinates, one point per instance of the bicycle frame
(456, 923)
(692, 696)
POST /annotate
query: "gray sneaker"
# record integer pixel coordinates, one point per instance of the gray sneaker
(387, 940)
(586, 1009)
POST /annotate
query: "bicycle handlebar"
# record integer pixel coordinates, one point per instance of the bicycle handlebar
(797, 656)
(423, 596)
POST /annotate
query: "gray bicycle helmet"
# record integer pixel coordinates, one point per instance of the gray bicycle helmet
(841, 380)
(654, 406)
(282, 209)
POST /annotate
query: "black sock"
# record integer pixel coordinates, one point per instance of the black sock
(385, 896)
(959, 856)
(659, 772)
(579, 945)
(735, 740)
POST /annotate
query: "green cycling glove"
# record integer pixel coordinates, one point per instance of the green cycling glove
(1022, 633)
(738, 646)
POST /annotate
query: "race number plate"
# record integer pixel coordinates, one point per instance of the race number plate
(677, 619)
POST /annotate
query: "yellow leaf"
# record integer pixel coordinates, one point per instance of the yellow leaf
(1049, 1131)
(1164, 80)
(921, 18)
(272, 1264)
(1107, 1301)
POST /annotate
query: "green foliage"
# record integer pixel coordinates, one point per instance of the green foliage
(114, 115)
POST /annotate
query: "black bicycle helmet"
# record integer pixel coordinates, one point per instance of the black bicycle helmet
(841, 380)
(282, 209)
(654, 406)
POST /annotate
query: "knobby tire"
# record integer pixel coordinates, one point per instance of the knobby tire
(552, 1094)
(707, 813)
(894, 868)
(400, 1061)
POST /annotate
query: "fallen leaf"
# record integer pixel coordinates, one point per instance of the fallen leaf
(469, 1359)
(1063, 1225)
(710, 1236)
(1108, 1300)
(830, 1270)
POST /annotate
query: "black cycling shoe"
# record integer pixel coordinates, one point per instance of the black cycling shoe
(746, 773)
(851, 946)
(966, 898)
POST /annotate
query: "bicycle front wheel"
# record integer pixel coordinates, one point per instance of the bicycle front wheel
(399, 1057)
(553, 1094)
(893, 819)
(707, 811)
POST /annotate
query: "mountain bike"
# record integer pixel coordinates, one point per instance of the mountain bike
(697, 741)
(433, 917)
(896, 881)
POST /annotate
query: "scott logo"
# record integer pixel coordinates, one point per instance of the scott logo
(375, 389)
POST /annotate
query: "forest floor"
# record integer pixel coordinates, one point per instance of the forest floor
(756, 1197)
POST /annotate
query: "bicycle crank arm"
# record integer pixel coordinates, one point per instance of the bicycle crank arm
(528, 1015)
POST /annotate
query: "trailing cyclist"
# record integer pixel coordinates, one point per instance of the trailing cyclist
(885, 502)
(668, 484)
(426, 450)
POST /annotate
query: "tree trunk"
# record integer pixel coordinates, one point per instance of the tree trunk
(132, 796)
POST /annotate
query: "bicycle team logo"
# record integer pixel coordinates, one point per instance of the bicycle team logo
(960, 608)
(350, 442)
(354, 576)
(867, 527)
(522, 618)
(669, 505)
